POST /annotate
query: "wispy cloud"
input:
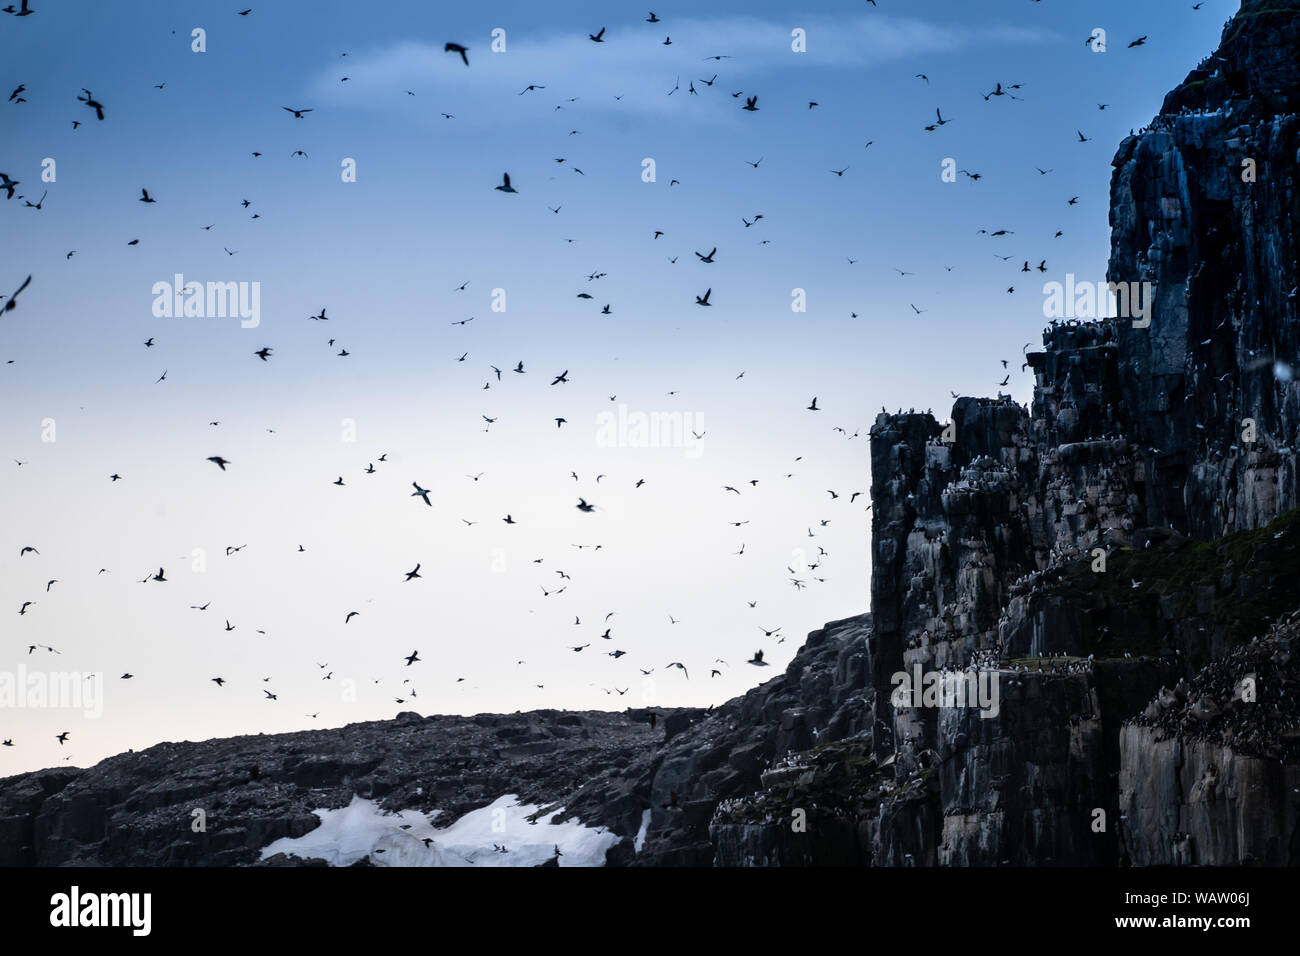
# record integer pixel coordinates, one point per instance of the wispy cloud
(634, 70)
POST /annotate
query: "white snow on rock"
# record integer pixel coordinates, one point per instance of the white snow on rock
(639, 842)
(397, 839)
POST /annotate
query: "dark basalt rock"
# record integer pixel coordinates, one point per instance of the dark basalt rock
(135, 809)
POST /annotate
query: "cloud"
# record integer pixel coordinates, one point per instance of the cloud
(634, 70)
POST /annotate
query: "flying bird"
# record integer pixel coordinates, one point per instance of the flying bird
(92, 103)
(12, 302)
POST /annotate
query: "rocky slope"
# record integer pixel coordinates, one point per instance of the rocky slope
(603, 769)
(135, 809)
(1118, 562)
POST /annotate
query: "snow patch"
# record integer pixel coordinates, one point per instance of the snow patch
(477, 839)
(640, 834)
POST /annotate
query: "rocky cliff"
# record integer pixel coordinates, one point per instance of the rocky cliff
(1106, 544)
(1115, 564)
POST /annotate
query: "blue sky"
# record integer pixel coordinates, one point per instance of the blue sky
(385, 256)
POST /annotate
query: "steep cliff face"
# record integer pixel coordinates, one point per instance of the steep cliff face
(1203, 765)
(997, 540)
(1204, 205)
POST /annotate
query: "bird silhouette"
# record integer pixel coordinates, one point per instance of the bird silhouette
(92, 103)
(12, 302)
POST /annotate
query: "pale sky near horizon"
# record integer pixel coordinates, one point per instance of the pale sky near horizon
(386, 255)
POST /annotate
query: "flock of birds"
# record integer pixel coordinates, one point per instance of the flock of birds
(751, 101)
(746, 101)
(1216, 705)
